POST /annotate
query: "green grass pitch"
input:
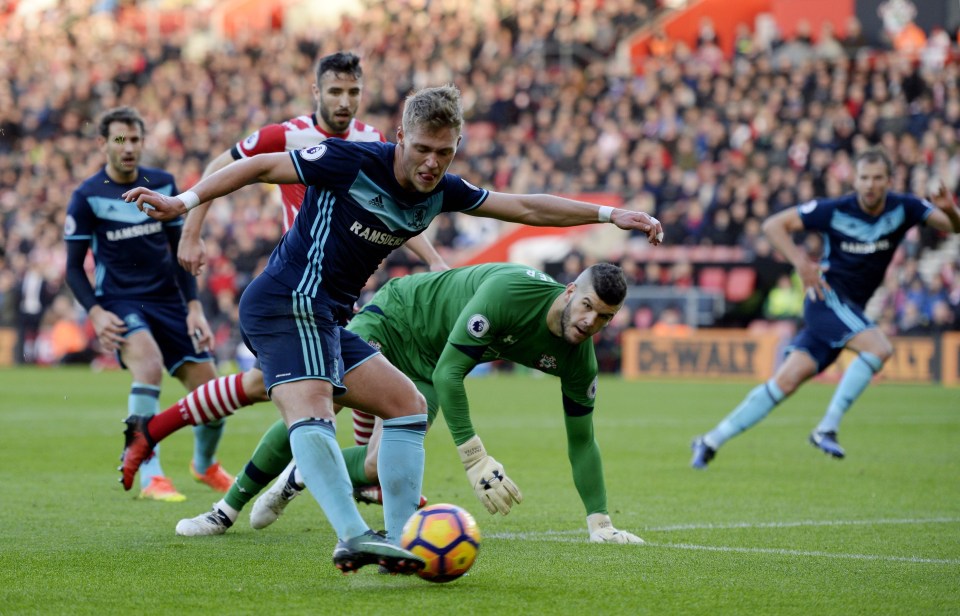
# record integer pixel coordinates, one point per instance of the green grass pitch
(772, 527)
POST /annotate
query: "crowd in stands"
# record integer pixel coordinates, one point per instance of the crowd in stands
(709, 144)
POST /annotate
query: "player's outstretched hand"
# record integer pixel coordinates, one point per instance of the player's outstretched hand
(602, 531)
(629, 220)
(494, 489)
(155, 205)
(939, 195)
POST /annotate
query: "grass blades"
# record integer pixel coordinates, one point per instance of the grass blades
(773, 526)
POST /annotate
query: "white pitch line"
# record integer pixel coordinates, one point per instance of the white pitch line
(577, 536)
(783, 552)
(558, 535)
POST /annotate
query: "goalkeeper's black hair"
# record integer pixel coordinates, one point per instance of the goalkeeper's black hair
(340, 63)
(609, 283)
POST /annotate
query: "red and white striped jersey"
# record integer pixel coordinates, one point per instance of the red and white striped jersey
(295, 134)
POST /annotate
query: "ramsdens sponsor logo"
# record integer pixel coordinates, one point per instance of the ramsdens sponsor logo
(127, 233)
(376, 237)
(865, 248)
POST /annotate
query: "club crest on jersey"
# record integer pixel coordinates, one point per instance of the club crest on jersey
(592, 390)
(478, 325)
(69, 225)
(251, 141)
(547, 362)
(314, 152)
(418, 219)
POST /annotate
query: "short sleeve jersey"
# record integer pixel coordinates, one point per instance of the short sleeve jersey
(131, 250)
(295, 134)
(858, 247)
(354, 214)
(491, 311)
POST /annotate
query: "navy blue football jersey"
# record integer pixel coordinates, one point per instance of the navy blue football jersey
(131, 250)
(858, 247)
(353, 215)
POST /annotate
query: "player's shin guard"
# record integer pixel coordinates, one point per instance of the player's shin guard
(206, 438)
(314, 445)
(269, 459)
(854, 381)
(757, 405)
(400, 466)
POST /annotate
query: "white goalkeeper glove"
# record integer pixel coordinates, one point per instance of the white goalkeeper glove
(602, 531)
(494, 489)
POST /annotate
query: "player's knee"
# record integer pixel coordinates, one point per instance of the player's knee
(885, 351)
(420, 407)
(146, 370)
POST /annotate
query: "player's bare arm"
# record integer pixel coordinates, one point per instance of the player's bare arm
(551, 211)
(269, 168)
(945, 218)
(192, 253)
(421, 246)
(779, 229)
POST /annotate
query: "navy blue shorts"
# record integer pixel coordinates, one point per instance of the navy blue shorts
(166, 322)
(296, 337)
(828, 326)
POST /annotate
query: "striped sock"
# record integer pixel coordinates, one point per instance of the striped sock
(213, 400)
(362, 427)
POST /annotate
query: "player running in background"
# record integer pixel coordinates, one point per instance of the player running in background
(337, 91)
(861, 231)
(142, 305)
(363, 200)
(436, 328)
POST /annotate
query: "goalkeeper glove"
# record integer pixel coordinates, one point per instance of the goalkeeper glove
(602, 531)
(494, 489)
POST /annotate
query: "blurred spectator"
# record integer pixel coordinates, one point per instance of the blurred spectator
(669, 324)
(785, 300)
(549, 108)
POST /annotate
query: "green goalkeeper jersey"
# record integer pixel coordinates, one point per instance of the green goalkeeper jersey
(440, 325)
(435, 327)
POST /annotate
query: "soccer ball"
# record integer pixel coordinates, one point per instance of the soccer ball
(446, 536)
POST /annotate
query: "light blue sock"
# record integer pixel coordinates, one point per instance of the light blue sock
(757, 405)
(315, 448)
(400, 467)
(144, 399)
(854, 381)
(206, 437)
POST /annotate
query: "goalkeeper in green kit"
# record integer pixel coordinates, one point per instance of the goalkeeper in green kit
(435, 327)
